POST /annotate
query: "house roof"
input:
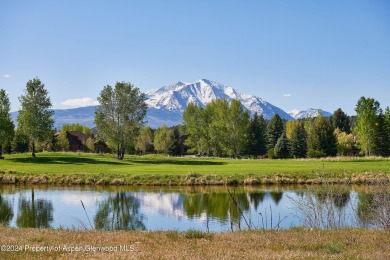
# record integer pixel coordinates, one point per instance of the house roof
(80, 135)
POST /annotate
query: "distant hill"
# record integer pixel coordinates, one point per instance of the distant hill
(80, 115)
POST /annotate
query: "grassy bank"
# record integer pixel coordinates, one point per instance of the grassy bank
(73, 168)
(293, 243)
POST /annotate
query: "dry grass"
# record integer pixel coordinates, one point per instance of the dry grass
(290, 244)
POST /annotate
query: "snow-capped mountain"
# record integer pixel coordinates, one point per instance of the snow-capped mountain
(167, 104)
(311, 112)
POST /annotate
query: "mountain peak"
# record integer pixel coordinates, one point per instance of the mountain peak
(175, 98)
(310, 112)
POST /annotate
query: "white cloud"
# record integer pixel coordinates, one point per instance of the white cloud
(6, 76)
(287, 95)
(80, 102)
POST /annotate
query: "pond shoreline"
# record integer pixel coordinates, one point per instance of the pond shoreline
(191, 179)
(292, 243)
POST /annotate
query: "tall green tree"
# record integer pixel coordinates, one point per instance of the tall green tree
(341, 121)
(144, 140)
(256, 136)
(196, 121)
(282, 147)
(218, 127)
(238, 122)
(321, 140)
(35, 117)
(367, 110)
(20, 143)
(345, 142)
(162, 139)
(275, 129)
(174, 148)
(120, 115)
(6, 124)
(382, 137)
(298, 141)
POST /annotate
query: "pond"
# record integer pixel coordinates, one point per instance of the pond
(200, 208)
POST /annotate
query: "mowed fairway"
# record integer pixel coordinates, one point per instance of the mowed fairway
(74, 163)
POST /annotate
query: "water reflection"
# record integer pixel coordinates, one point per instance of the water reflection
(34, 213)
(6, 211)
(207, 208)
(119, 211)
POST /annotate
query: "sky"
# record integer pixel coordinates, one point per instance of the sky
(294, 54)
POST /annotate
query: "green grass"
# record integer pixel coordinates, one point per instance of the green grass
(154, 169)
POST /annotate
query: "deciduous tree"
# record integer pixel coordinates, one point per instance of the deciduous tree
(144, 140)
(162, 139)
(367, 110)
(35, 117)
(120, 115)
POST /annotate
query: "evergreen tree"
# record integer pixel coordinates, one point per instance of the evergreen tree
(321, 139)
(20, 143)
(175, 147)
(6, 124)
(275, 129)
(382, 142)
(298, 141)
(341, 121)
(256, 137)
(367, 110)
(35, 117)
(282, 147)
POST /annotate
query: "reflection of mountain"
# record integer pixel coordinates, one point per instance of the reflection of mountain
(119, 211)
(34, 213)
(170, 204)
(6, 212)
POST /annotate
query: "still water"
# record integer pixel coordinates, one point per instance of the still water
(184, 208)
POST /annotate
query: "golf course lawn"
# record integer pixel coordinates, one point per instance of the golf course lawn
(84, 168)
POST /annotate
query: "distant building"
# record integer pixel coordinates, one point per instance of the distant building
(77, 141)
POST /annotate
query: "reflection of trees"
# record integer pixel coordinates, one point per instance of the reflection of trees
(256, 198)
(6, 212)
(276, 196)
(34, 213)
(216, 205)
(119, 212)
(374, 208)
(339, 198)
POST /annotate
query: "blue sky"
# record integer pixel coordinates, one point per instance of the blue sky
(293, 54)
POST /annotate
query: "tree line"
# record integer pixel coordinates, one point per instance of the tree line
(219, 129)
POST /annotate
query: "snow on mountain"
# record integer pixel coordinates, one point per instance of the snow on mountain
(167, 104)
(311, 112)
